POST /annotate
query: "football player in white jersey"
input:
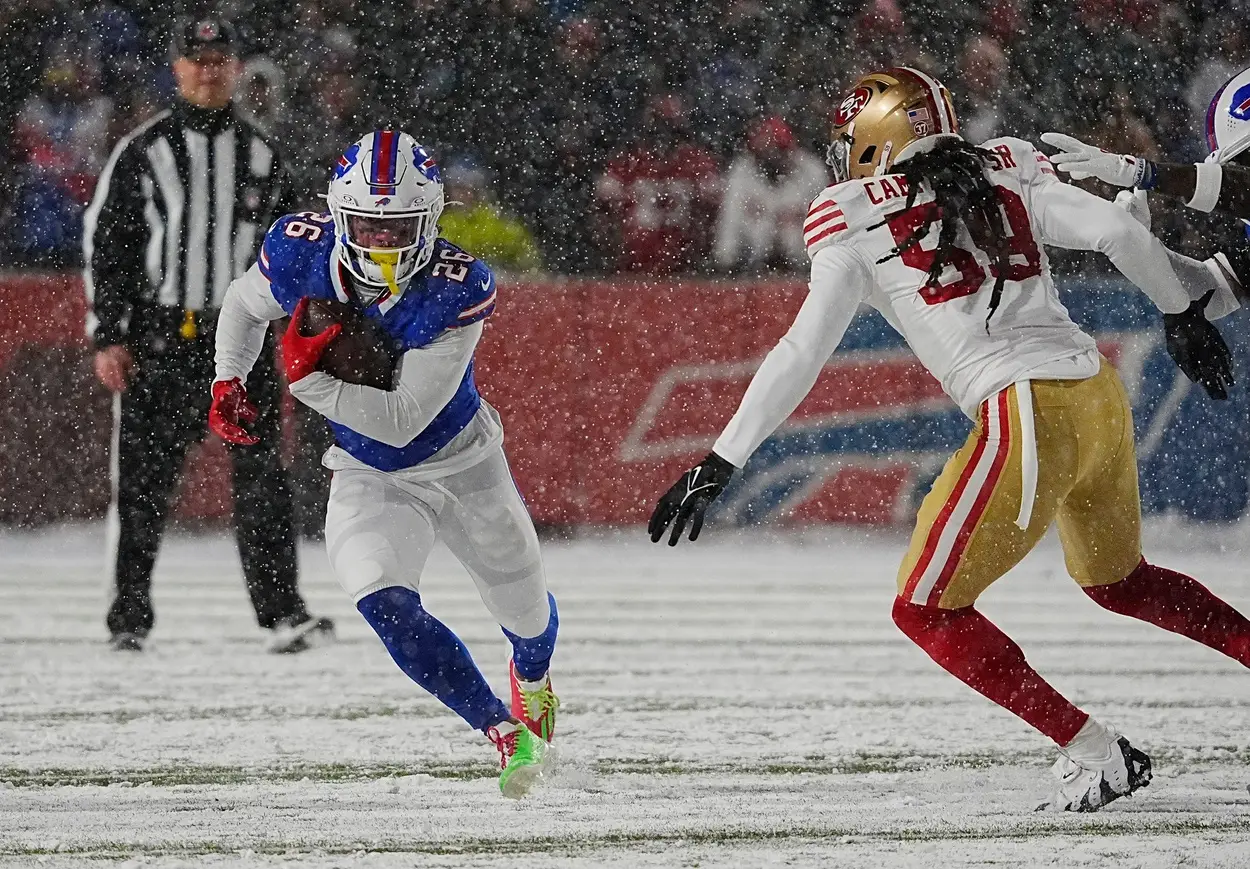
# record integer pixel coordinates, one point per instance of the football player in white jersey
(945, 240)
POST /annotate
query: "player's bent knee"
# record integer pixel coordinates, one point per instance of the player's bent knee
(916, 620)
(530, 623)
(521, 606)
(363, 562)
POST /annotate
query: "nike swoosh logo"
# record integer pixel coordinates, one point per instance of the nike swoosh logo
(485, 286)
(691, 488)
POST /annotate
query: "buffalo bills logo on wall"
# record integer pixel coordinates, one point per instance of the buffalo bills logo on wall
(347, 161)
(425, 164)
(852, 106)
(1239, 106)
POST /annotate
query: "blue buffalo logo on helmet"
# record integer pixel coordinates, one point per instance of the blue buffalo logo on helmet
(385, 198)
(1239, 106)
(346, 161)
(425, 164)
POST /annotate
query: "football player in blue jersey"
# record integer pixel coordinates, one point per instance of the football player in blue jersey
(422, 460)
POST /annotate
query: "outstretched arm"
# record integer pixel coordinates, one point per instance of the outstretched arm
(1078, 220)
(1211, 186)
(841, 279)
(1215, 279)
(1072, 218)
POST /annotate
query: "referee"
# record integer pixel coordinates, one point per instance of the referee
(177, 215)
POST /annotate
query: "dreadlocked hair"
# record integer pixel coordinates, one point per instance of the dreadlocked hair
(955, 171)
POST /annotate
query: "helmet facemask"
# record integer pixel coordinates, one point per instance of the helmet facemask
(383, 250)
(838, 157)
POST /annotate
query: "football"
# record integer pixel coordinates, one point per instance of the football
(362, 352)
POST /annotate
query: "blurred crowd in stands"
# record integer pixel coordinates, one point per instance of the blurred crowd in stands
(593, 136)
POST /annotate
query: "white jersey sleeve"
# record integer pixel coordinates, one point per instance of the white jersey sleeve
(245, 314)
(1072, 218)
(825, 222)
(1208, 276)
(428, 378)
(840, 280)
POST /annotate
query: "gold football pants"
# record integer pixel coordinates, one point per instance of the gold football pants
(1084, 468)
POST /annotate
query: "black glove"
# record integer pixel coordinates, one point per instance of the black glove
(1198, 348)
(689, 499)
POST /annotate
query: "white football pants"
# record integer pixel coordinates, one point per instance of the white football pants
(380, 529)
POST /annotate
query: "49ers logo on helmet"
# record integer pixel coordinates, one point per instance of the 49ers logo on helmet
(852, 106)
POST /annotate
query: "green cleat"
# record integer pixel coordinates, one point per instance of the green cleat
(521, 756)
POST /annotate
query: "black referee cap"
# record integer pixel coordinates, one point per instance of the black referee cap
(207, 33)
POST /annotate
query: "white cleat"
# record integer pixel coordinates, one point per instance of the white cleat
(1096, 768)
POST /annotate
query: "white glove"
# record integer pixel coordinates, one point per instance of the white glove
(1085, 161)
(1136, 204)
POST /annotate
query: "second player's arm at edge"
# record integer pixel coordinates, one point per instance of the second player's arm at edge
(840, 281)
(1075, 219)
(1214, 185)
(1230, 184)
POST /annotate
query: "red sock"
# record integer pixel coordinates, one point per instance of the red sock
(1179, 604)
(968, 646)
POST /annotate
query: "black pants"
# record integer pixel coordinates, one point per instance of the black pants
(163, 413)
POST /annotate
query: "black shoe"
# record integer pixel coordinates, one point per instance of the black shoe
(124, 641)
(291, 637)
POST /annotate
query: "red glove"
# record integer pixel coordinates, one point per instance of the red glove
(300, 354)
(230, 405)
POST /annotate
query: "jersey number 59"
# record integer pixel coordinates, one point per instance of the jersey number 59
(1021, 243)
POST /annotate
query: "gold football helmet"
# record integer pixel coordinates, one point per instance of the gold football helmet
(882, 114)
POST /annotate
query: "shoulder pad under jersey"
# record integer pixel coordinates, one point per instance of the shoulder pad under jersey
(465, 282)
(295, 258)
(1019, 157)
(843, 210)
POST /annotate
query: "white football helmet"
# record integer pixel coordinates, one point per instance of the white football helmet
(1228, 119)
(385, 197)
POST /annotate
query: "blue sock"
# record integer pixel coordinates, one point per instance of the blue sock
(532, 655)
(432, 656)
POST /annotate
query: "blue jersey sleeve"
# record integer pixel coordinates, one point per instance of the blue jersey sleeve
(476, 298)
(291, 257)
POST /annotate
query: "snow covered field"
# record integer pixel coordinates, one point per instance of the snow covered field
(743, 701)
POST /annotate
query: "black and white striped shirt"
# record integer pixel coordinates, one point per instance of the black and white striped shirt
(179, 211)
